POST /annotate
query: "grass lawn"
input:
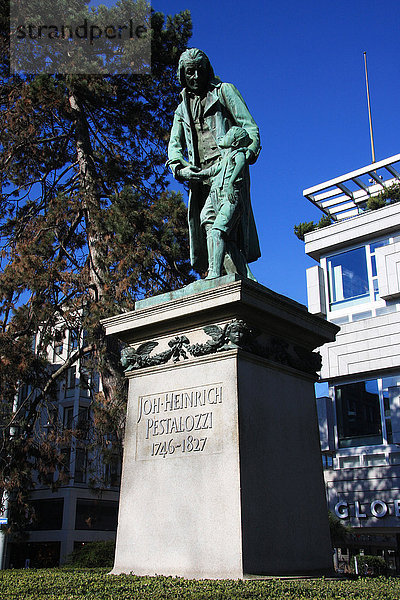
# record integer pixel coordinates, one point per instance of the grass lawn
(95, 584)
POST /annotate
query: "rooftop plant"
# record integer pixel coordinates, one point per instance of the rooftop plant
(390, 195)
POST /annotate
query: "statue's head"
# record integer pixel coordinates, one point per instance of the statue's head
(195, 70)
(235, 137)
(238, 333)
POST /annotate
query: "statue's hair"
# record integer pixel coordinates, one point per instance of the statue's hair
(238, 134)
(193, 55)
(239, 323)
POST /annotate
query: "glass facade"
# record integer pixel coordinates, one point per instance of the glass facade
(366, 410)
(48, 514)
(348, 275)
(80, 465)
(71, 377)
(68, 417)
(98, 515)
(358, 414)
(353, 277)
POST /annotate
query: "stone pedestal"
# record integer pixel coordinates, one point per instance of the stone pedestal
(222, 472)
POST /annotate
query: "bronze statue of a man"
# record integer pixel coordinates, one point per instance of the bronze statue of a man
(208, 110)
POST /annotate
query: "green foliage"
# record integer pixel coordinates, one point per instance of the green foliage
(95, 584)
(375, 202)
(302, 228)
(93, 554)
(324, 222)
(389, 196)
(369, 565)
(337, 529)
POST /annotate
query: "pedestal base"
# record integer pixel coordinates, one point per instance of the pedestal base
(222, 470)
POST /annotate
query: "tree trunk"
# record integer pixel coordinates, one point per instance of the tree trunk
(111, 373)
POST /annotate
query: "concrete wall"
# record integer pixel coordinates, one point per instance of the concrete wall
(285, 522)
(363, 347)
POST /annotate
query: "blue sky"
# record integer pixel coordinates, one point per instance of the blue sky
(300, 68)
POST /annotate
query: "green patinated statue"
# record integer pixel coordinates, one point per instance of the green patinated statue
(215, 163)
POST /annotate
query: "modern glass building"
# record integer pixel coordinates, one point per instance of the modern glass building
(356, 284)
(79, 503)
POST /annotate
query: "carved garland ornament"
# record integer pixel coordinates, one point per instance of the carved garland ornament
(236, 334)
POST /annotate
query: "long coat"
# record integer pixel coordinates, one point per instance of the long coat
(224, 107)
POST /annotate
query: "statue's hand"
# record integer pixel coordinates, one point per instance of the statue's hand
(231, 193)
(190, 173)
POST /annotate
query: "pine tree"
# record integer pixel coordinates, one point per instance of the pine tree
(88, 226)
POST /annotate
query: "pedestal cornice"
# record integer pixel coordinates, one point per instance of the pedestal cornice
(240, 299)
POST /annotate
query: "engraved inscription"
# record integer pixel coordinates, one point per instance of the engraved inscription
(180, 423)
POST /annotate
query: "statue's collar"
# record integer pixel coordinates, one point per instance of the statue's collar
(211, 96)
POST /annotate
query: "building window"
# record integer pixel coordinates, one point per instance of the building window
(375, 460)
(65, 462)
(358, 414)
(348, 276)
(58, 350)
(52, 419)
(83, 422)
(327, 461)
(394, 458)
(367, 412)
(80, 465)
(68, 417)
(71, 377)
(113, 471)
(97, 515)
(48, 514)
(352, 276)
(73, 339)
(84, 379)
(390, 402)
(349, 462)
(23, 393)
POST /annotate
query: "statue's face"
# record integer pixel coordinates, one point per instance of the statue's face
(196, 77)
(236, 334)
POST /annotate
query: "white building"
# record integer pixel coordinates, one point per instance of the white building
(356, 284)
(75, 513)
